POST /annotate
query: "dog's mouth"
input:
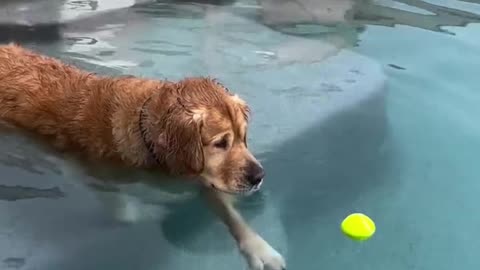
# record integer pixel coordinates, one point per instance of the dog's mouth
(239, 191)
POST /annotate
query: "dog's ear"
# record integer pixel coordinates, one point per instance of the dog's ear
(180, 140)
(242, 106)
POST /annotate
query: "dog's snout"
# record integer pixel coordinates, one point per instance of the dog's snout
(255, 174)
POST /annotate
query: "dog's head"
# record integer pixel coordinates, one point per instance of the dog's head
(199, 128)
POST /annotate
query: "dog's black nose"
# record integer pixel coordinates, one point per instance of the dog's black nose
(255, 174)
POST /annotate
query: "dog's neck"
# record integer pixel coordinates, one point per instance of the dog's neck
(127, 122)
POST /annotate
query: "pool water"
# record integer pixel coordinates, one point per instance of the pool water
(358, 106)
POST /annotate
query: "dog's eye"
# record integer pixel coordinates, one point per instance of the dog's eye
(223, 143)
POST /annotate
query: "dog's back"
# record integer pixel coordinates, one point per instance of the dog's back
(33, 93)
(43, 95)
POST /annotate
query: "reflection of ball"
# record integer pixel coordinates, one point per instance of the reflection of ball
(358, 227)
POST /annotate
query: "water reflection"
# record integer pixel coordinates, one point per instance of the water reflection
(294, 16)
(44, 20)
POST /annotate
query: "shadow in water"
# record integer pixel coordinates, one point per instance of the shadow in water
(43, 33)
(318, 176)
(342, 155)
(13, 263)
(15, 193)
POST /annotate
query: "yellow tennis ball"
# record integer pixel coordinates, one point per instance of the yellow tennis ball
(358, 227)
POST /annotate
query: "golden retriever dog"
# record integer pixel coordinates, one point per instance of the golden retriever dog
(193, 128)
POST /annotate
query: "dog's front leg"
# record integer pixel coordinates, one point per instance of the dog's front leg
(258, 253)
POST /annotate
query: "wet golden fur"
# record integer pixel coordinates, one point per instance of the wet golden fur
(99, 116)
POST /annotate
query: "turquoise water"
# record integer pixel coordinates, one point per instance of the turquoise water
(374, 112)
(432, 107)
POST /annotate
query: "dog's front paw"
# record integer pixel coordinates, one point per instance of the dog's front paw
(260, 255)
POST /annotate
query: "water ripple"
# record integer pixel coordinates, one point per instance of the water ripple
(15, 193)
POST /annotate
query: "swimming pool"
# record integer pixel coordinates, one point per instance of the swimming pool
(371, 108)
